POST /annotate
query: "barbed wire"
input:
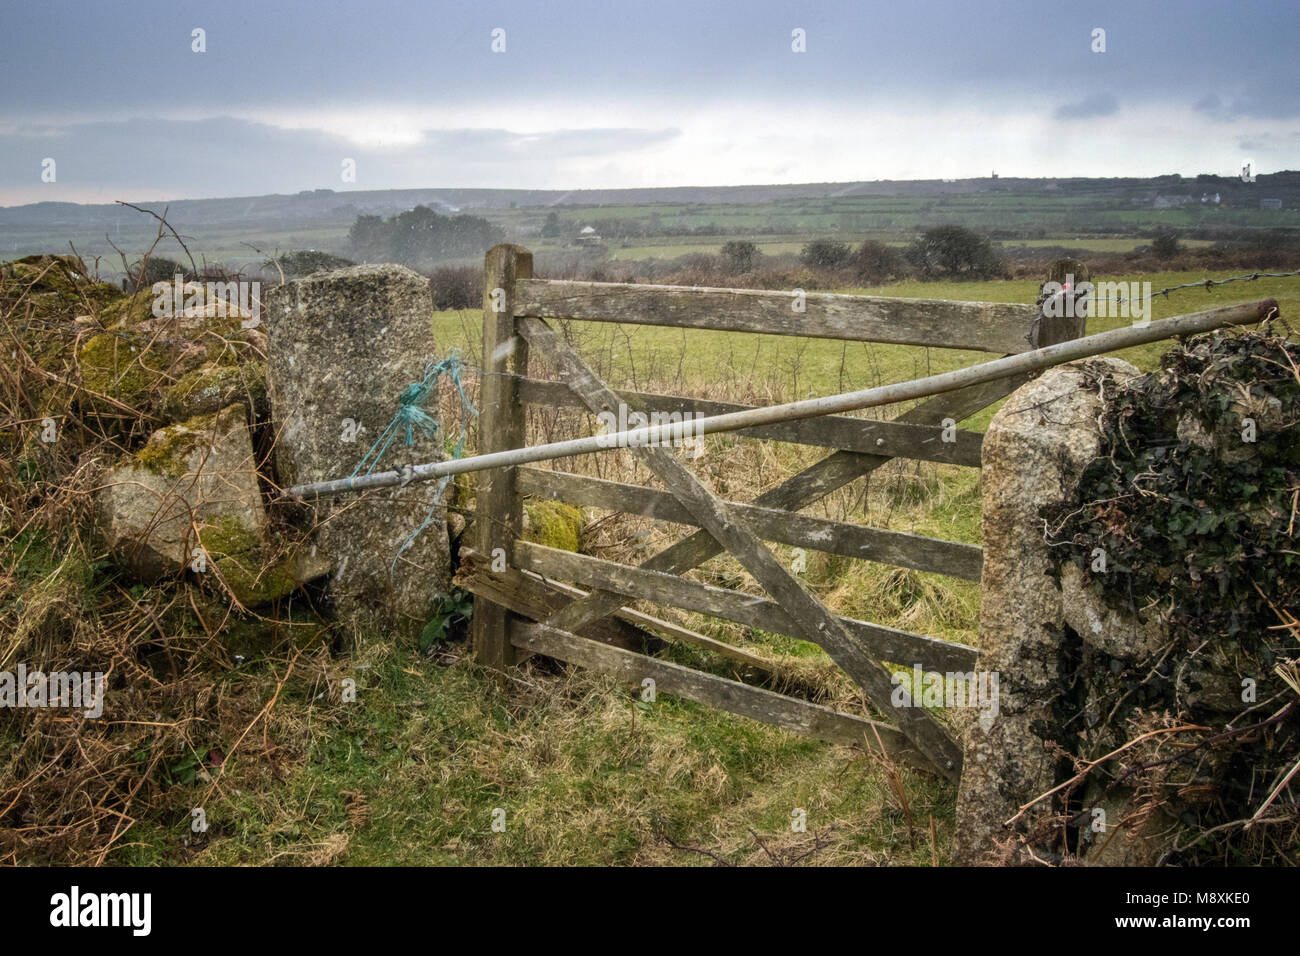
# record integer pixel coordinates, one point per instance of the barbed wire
(1211, 283)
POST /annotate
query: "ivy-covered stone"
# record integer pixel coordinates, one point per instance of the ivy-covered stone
(1140, 582)
(1193, 496)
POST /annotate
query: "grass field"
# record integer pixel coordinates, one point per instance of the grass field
(1104, 210)
(785, 368)
(584, 773)
(783, 246)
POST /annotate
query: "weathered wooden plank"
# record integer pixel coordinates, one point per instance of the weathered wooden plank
(802, 531)
(896, 439)
(757, 703)
(983, 326)
(675, 632)
(501, 426)
(883, 643)
(534, 596)
(803, 488)
(537, 598)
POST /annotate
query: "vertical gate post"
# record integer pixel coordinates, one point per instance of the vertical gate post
(1070, 306)
(501, 426)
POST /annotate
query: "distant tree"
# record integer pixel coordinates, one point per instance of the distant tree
(421, 236)
(157, 269)
(417, 234)
(551, 228)
(825, 254)
(954, 252)
(739, 255)
(1165, 245)
(307, 261)
(370, 239)
(877, 262)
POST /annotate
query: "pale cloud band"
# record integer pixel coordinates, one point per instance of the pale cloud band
(158, 159)
(595, 95)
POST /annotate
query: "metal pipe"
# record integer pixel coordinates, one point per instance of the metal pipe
(663, 433)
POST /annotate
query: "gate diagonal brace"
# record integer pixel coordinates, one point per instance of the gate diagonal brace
(818, 624)
(804, 488)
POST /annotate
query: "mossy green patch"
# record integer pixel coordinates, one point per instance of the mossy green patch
(112, 366)
(250, 582)
(554, 524)
(213, 387)
(239, 558)
(129, 310)
(224, 536)
(167, 450)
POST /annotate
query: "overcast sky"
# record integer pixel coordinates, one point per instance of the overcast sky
(641, 93)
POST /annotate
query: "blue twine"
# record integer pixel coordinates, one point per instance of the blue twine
(411, 418)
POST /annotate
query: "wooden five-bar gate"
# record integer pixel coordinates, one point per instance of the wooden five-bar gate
(533, 599)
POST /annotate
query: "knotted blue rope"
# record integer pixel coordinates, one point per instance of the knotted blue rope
(411, 418)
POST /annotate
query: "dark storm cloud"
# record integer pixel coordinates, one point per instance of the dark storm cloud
(60, 57)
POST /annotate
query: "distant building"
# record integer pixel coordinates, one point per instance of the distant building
(1270, 204)
(587, 237)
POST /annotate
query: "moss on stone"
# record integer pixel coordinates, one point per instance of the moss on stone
(213, 387)
(554, 524)
(167, 450)
(223, 327)
(129, 310)
(224, 536)
(239, 557)
(110, 367)
(137, 311)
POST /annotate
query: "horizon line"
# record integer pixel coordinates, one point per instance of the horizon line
(607, 189)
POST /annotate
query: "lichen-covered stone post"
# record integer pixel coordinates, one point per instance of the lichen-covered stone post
(1034, 450)
(343, 346)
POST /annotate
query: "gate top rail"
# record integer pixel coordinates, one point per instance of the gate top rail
(982, 326)
(1035, 360)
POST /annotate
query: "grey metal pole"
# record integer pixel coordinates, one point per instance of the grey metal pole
(1242, 314)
